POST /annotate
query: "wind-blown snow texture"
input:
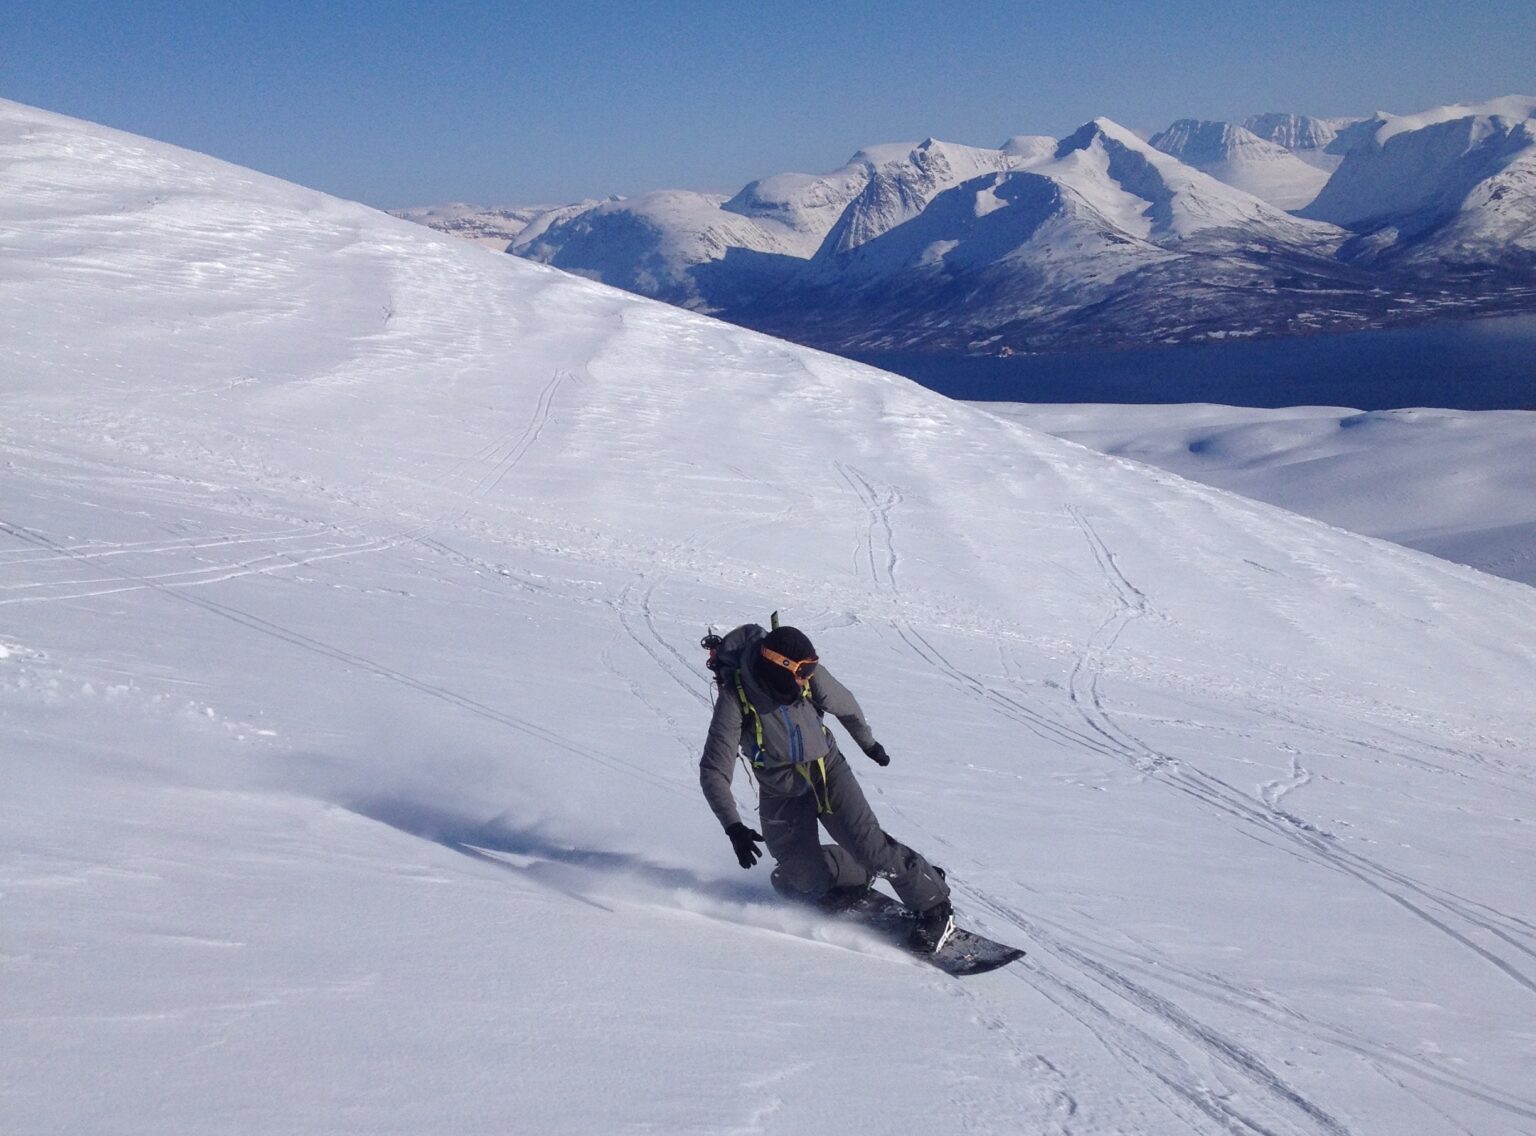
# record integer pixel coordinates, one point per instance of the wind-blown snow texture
(1458, 484)
(350, 587)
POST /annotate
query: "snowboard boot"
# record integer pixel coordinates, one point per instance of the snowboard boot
(781, 885)
(833, 901)
(932, 929)
(845, 898)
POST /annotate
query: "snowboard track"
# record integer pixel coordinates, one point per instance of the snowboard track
(1115, 1031)
(341, 655)
(1261, 820)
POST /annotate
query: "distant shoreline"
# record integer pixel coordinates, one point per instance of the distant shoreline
(1475, 364)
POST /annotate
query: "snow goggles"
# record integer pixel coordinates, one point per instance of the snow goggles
(802, 669)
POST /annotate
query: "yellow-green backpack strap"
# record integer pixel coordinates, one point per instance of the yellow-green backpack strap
(750, 711)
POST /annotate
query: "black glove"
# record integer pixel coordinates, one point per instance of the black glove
(745, 843)
(878, 755)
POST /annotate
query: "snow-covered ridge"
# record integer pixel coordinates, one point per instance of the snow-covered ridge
(1516, 108)
(1240, 158)
(1310, 139)
(351, 582)
(1453, 185)
(1440, 226)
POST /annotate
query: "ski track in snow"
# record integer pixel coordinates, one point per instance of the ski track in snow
(503, 456)
(1133, 1045)
(877, 557)
(1129, 1019)
(325, 650)
(1323, 849)
(111, 580)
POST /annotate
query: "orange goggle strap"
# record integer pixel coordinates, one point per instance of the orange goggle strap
(791, 665)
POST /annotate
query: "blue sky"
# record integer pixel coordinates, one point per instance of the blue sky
(399, 103)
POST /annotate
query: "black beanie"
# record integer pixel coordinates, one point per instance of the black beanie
(792, 643)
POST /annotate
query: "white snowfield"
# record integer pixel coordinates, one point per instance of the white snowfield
(1459, 484)
(351, 581)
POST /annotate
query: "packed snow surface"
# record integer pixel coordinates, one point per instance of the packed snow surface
(351, 582)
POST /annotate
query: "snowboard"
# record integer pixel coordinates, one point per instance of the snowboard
(965, 953)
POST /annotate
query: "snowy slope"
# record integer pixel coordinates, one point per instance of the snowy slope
(1455, 184)
(1240, 158)
(1458, 484)
(349, 687)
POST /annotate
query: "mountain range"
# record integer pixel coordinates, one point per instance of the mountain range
(1282, 224)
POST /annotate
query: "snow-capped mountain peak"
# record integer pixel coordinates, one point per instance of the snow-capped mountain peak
(1448, 185)
(1182, 202)
(1319, 142)
(1293, 132)
(902, 181)
(1240, 158)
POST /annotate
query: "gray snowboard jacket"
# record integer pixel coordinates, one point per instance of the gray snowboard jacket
(794, 738)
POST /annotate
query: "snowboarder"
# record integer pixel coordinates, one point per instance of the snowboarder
(774, 695)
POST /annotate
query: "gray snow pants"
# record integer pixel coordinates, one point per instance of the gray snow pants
(863, 850)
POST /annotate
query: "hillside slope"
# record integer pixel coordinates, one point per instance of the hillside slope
(1457, 484)
(350, 588)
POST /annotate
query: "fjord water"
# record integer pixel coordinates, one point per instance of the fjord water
(1484, 364)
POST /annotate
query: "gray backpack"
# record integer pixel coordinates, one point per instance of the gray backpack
(727, 655)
